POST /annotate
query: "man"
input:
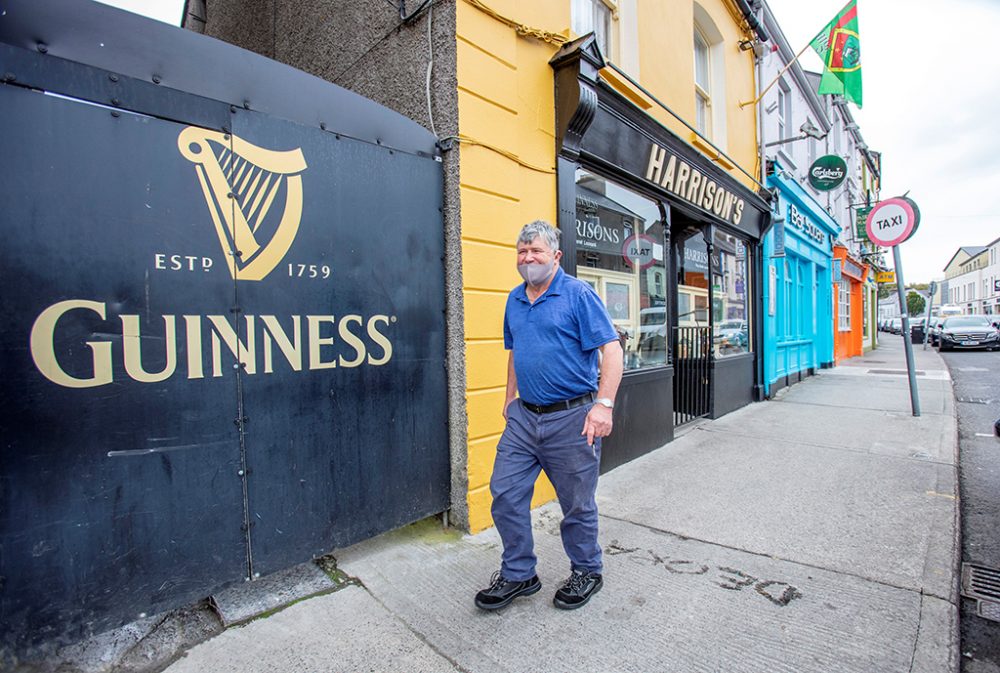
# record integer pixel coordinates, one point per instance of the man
(554, 327)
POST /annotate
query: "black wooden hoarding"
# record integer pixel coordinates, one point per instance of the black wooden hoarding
(223, 330)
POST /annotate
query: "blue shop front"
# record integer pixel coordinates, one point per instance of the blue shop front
(798, 285)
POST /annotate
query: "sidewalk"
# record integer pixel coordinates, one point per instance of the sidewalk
(816, 532)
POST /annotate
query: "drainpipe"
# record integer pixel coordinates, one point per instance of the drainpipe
(760, 263)
(755, 23)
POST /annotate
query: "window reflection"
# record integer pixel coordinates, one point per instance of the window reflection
(730, 309)
(620, 243)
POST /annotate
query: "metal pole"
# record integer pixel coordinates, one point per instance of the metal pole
(907, 346)
(927, 321)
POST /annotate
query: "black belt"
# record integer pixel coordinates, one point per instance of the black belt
(559, 406)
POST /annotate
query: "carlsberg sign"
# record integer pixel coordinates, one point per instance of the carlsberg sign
(827, 172)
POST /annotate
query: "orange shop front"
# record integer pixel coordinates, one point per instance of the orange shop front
(848, 305)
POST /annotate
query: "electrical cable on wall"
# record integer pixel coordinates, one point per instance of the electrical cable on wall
(430, 65)
(520, 28)
(445, 144)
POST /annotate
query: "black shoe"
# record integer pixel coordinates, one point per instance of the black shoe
(578, 589)
(502, 591)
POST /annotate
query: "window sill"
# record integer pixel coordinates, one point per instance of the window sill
(711, 152)
(786, 159)
(625, 88)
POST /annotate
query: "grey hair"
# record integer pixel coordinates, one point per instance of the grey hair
(540, 229)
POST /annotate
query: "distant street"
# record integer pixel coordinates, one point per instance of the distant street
(976, 376)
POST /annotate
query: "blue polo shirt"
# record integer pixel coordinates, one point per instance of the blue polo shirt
(555, 340)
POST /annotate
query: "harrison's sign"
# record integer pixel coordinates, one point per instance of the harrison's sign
(669, 172)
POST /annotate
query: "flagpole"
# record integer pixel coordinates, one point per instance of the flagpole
(775, 80)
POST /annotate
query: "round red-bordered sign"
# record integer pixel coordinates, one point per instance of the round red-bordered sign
(891, 222)
(638, 251)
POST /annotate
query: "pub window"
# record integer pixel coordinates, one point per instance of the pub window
(864, 315)
(730, 308)
(620, 252)
(844, 305)
(804, 308)
(789, 302)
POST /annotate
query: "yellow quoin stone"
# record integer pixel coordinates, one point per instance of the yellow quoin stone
(506, 105)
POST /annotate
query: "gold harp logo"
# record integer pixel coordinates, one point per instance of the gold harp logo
(241, 182)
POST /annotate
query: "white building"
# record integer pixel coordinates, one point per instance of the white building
(889, 307)
(990, 279)
(971, 278)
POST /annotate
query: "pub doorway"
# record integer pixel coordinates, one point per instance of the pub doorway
(691, 334)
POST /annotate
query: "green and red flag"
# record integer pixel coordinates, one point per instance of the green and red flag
(839, 45)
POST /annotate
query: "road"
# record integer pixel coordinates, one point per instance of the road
(976, 376)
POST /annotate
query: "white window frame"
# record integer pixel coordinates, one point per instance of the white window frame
(784, 110)
(702, 96)
(844, 305)
(715, 96)
(585, 15)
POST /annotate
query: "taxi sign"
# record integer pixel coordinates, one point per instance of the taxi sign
(891, 222)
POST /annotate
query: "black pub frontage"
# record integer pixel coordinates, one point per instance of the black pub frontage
(671, 242)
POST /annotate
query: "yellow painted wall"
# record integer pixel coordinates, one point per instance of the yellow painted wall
(666, 68)
(506, 100)
(506, 104)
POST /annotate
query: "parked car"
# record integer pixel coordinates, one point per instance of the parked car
(652, 330)
(896, 325)
(934, 330)
(732, 331)
(968, 331)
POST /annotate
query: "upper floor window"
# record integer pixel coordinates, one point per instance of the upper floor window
(709, 78)
(812, 142)
(784, 111)
(593, 16)
(702, 84)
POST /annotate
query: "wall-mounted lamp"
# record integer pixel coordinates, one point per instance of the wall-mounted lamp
(752, 45)
(809, 129)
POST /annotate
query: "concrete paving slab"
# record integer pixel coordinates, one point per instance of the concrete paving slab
(888, 394)
(246, 601)
(864, 514)
(347, 631)
(889, 433)
(669, 604)
(937, 641)
(890, 352)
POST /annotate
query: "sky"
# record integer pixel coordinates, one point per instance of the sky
(168, 11)
(930, 106)
(931, 94)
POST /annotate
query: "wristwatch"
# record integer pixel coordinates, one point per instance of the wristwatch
(605, 402)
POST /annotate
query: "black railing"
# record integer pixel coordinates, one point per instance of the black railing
(692, 352)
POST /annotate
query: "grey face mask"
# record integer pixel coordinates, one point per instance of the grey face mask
(535, 274)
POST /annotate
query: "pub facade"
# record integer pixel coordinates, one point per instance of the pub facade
(682, 286)
(572, 112)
